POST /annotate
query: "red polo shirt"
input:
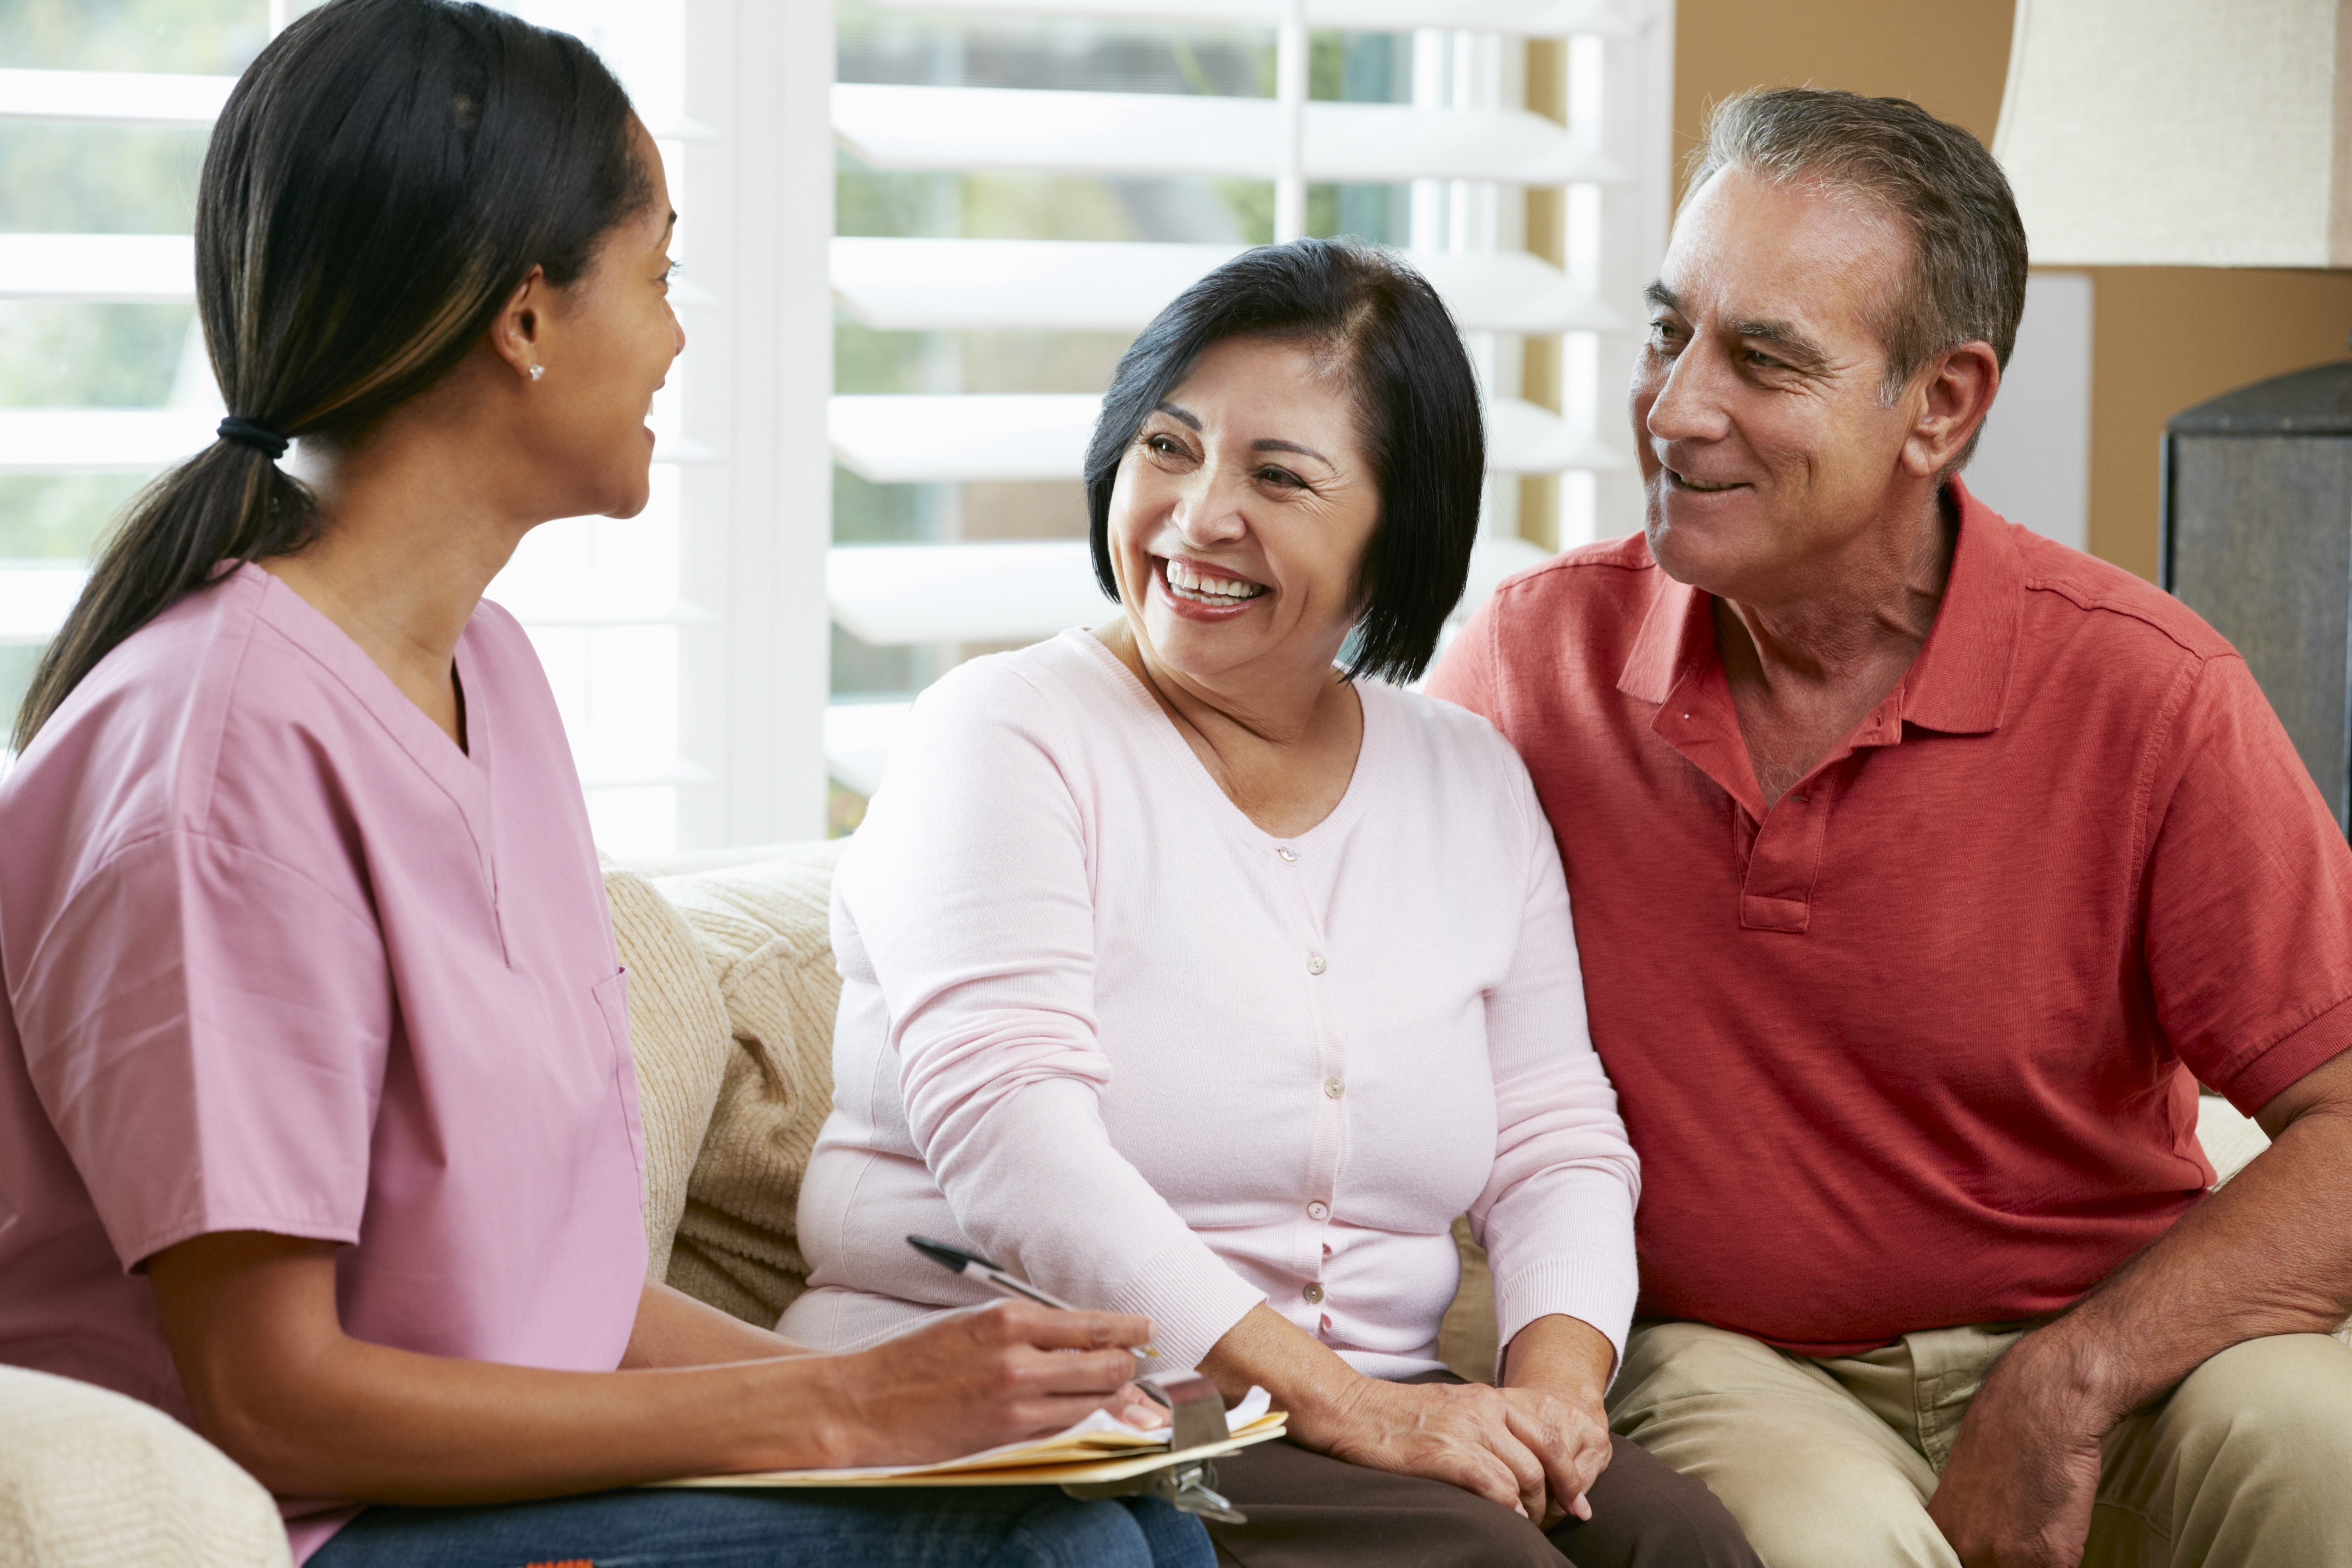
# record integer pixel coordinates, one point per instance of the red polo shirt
(1914, 1047)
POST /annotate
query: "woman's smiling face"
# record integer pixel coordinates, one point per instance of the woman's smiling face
(1242, 512)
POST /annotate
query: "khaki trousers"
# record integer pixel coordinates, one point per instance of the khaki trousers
(1830, 1462)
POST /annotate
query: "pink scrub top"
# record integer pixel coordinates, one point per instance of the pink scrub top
(280, 957)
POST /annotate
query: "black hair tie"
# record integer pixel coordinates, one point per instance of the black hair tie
(260, 437)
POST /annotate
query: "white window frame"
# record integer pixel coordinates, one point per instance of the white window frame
(756, 413)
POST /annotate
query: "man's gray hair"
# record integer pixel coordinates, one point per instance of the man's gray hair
(1968, 254)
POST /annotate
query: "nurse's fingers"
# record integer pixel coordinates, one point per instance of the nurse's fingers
(1050, 1329)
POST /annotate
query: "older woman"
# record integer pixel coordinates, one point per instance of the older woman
(1187, 975)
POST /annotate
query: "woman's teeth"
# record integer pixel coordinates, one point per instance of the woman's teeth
(1203, 589)
(1689, 483)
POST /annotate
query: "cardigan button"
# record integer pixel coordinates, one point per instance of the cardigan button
(1314, 1294)
(1334, 1087)
(1315, 964)
(1318, 1210)
(1287, 853)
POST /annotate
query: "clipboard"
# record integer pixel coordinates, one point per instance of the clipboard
(1179, 1468)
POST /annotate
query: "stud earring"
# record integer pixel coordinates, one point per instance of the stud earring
(537, 370)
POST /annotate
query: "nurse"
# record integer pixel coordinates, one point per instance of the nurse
(318, 1125)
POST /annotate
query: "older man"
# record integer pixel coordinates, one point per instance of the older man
(1921, 865)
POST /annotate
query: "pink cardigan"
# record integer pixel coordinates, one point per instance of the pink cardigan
(1098, 1026)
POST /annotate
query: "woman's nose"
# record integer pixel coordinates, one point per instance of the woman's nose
(1210, 511)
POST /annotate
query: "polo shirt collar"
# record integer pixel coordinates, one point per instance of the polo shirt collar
(1958, 685)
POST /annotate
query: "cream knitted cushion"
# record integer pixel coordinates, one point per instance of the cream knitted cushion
(89, 1478)
(678, 1035)
(765, 930)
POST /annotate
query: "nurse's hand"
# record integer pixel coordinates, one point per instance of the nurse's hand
(982, 1377)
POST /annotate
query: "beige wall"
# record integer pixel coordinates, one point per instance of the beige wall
(2164, 338)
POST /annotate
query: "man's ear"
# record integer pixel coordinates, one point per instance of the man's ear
(1953, 395)
(514, 332)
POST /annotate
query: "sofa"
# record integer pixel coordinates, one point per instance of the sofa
(732, 997)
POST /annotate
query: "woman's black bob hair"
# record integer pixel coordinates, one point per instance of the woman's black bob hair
(1396, 350)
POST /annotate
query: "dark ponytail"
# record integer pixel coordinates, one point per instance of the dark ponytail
(382, 178)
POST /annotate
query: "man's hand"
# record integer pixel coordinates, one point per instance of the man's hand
(2018, 1489)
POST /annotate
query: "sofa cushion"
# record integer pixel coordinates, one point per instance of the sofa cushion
(678, 1037)
(89, 1478)
(764, 929)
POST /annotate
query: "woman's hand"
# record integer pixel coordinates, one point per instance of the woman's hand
(1531, 1451)
(1557, 1368)
(986, 1376)
(1534, 1445)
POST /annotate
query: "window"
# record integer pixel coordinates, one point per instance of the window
(868, 461)
(685, 646)
(1024, 183)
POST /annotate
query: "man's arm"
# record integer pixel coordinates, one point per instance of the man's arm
(2271, 1253)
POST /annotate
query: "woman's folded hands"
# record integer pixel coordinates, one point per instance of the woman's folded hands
(1534, 1445)
(1529, 1449)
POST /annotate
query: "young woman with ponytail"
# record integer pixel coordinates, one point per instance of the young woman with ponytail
(317, 1120)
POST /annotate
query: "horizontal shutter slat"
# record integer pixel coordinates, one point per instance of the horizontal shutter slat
(1527, 18)
(998, 285)
(914, 438)
(1138, 133)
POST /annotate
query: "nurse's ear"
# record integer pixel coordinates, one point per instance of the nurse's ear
(514, 335)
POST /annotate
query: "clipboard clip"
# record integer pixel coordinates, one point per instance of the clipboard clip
(1197, 1414)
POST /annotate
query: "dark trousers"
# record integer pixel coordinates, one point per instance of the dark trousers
(1310, 1510)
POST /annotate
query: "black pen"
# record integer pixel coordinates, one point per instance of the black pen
(971, 1266)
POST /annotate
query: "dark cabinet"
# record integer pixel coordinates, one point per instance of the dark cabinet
(2257, 538)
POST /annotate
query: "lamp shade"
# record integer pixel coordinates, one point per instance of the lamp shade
(2182, 132)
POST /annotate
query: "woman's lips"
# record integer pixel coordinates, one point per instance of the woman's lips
(1177, 582)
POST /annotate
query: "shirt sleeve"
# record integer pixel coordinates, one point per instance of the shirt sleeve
(972, 894)
(1557, 1214)
(2247, 893)
(206, 1029)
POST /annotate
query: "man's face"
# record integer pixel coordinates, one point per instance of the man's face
(1765, 446)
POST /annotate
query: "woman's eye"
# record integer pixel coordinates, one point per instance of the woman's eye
(1279, 477)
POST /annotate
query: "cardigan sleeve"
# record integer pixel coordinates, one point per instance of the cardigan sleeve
(971, 889)
(1556, 1215)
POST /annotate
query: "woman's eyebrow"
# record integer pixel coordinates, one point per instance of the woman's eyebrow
(1270, 444)
(1191, 420)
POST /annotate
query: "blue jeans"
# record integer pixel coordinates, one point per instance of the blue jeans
(941, 1527)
